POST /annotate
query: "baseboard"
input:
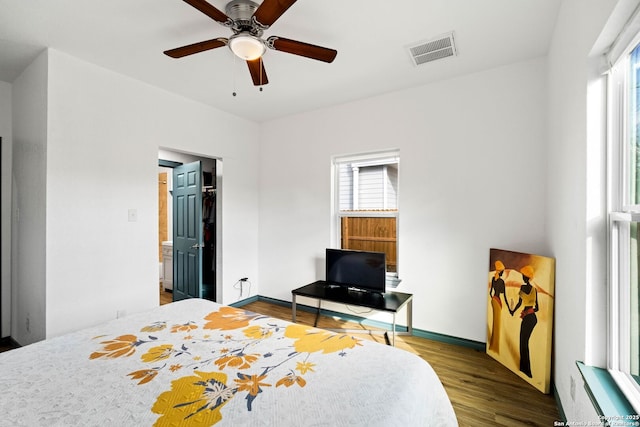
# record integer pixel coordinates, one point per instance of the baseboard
(463, 342)
(245, 301)
(8, 342)
(476, 345)
(563, 417)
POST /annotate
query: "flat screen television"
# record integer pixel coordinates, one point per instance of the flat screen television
(365, 271)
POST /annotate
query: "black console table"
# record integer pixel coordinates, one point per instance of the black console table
(391, 302)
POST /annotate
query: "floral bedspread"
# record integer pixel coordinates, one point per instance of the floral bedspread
(198, 363)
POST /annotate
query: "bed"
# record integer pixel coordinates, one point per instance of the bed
(195, 362)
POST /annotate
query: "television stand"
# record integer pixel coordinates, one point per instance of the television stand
(390, 302)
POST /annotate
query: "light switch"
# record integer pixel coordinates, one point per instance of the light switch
(133, 215)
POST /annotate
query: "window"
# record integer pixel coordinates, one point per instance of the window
(366, 189)
(624, 220)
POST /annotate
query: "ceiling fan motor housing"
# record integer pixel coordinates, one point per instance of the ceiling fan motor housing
(241, 12)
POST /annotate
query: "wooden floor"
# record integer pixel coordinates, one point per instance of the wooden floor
(165, 297)
(482, 391)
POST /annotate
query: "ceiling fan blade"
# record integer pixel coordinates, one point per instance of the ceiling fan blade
(210, 11)
(258, 74)
(179, 52)
(303, 49)
(270, 10)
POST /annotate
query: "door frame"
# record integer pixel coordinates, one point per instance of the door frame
(170, 158)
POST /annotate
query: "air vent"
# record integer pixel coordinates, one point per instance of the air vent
(430, 50)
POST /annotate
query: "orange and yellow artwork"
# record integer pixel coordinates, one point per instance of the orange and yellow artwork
(520, 295)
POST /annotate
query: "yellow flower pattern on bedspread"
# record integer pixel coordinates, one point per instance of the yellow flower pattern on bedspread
(312, 340)
(250, 354)
(122, 346)
(194, 400)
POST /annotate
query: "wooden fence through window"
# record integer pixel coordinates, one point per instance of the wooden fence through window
(373, 234)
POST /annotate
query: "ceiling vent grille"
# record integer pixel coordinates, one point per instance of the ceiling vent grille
(430, 50)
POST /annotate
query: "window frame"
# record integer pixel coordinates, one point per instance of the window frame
(621, 215)
(364, 160)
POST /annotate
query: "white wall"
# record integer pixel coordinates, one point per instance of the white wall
(576, 192)
(7, 141)
(28, 250)
(475, 153)
(472, 177)
(104, 132)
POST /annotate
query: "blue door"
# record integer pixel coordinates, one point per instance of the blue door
(187, 231)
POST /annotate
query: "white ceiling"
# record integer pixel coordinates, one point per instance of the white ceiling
(371, 36)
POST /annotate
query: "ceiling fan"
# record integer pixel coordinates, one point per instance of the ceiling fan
(248, 20)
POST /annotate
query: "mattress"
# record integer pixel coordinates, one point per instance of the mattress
(198, 363)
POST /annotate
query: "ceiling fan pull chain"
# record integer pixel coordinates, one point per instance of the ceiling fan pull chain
(233, 72)
(261, 73)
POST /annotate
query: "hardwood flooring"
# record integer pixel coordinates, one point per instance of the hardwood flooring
(482, 391)
(165, 297)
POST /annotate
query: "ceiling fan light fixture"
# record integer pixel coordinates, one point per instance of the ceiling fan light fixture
(248, 20)
(246, 46)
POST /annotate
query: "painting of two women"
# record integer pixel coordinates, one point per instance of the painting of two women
(520, 314)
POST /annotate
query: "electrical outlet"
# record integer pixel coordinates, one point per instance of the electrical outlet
(28, 323)
(572, 389)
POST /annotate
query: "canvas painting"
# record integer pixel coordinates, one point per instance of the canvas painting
(520, 296)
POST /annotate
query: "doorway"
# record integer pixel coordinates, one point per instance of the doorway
(173, 259)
